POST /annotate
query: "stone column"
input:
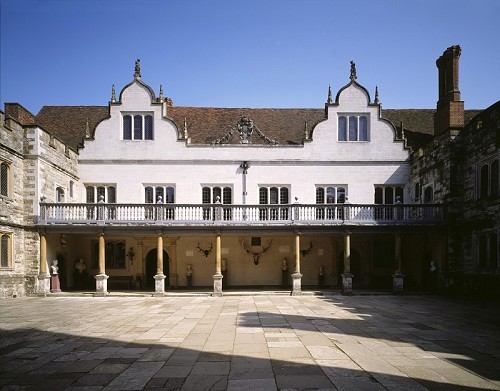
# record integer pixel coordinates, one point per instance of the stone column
(101, 279)
(296, 276)
(347, 275)
(173, 275)
(160, 277)
(218, 268)
(397, 277)
(43, 280)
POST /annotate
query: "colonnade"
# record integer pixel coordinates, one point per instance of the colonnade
(101, 278)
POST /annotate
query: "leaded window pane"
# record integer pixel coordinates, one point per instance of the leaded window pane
(4, 179)
(353, 129)
(342, 128)
(263, 197)
(400, 194)
(137, 127)
(101, 193)
(169, 196)
(227, 199)
(111, 195)
(90, 194)
(379, 196)
(127, 127)
(495, 178)
(389, 195)
(148, 125)
(273, 195)
(363, 129)
(341, 195)
(330, 195)
(206, 195)
(4, 253)
(284, 195)
(217, 195)
(320, 195)
(484, 181)
(159, 196)
(148, 195)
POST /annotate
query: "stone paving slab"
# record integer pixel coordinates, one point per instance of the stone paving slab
(260, 342)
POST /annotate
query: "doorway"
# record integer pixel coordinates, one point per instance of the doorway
(150, 271)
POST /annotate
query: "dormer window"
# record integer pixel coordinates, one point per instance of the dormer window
(353, 127)
(137, 127)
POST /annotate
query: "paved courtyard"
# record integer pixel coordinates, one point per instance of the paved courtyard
(248, 342)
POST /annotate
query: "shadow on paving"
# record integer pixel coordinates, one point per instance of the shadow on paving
(34, 359)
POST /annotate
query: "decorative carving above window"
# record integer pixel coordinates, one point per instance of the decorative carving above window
(245, 128)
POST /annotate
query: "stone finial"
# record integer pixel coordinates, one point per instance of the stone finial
(330, 100)
(87, 129)
(161, 97)
(113, 94)
(376, 95)
(185, 128)
(137, 71)
(306, 131)
(353, 71)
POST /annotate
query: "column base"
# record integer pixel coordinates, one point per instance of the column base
(42, 285)
(398, 282)
(217, 285)
(347, 284)
(297, 284)
(101, 284)
(159, 285)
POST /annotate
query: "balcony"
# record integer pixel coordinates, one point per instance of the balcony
(219, 215)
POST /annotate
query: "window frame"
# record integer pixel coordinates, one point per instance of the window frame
(98, 190)
(5, 179)
(353, 127)
(388, 194)
(488, 179)
(137, 126)
(6, 250)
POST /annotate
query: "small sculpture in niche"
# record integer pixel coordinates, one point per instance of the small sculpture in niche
(189, 275)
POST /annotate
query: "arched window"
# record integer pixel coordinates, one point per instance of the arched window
(206, 195)
(363, 128)
(263, 196)
(148, 195)
(71, 189)
(159, 194)
(484, 181)
(342, 129)
(148, 127)
(127, 127)
(353, 129)
(170, 195)
(428, 195)
(111, 192)
(495, 179)
(59, 194)
(320, 195)
(330, 195)
(101, 193)
(90, 190)
(379, 196)
(137, 127)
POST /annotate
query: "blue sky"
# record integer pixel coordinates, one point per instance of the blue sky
(237, 53)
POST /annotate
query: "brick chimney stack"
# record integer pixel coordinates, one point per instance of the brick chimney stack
(450, 109)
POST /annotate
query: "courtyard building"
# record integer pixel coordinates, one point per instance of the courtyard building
(143, 195)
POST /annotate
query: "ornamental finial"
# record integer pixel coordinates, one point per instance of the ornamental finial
(376, 95)
(330, 100)
(113, 94)
(161, 93)
(137, 71)
(185, 128)
(353, 71)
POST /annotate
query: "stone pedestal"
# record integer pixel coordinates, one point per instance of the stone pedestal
(347, 284)
(43, 284)
(101, 284)
(398, 282)
(159, 285)
(297, 284)
(217, 285)
(55, 285)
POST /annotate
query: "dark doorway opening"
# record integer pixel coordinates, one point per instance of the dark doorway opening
(150, 271)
